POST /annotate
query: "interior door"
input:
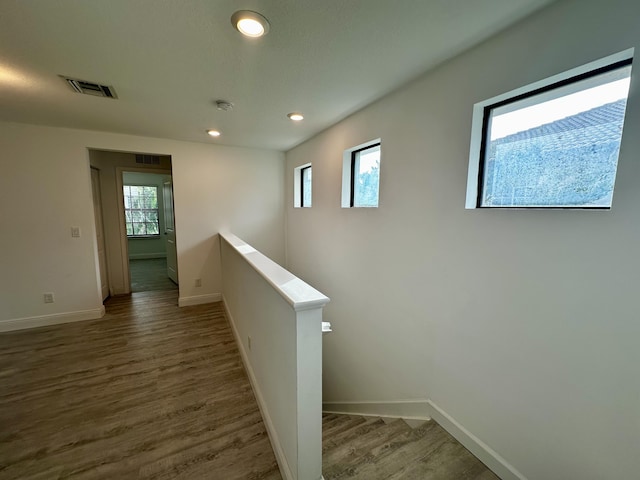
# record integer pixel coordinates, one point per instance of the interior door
(170, 232)
(97, 215)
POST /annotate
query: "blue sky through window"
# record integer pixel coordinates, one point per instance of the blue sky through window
(559, 108)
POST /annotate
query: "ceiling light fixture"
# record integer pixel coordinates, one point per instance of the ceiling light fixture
(295, 116)
(213, 133)
(250, 24)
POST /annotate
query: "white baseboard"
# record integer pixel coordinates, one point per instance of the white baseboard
(407, 409)
(486, 454)
(53, 319)
(199, 299)
(146, 256)
(285, 469)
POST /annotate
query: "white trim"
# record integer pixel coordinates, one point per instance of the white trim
(199, 299)
(53, 319)
(478, 114)
(484, 452)
(407, 409)
(147, 256)
(300, 295)
(297, 182)
(124, 241)
(285, 469)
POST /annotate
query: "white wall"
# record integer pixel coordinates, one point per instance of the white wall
(45, 188)
(521, 325)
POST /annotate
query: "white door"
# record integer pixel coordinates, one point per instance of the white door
(97, 215)
(170, 232)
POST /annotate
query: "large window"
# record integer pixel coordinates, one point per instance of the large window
(361, 176)
(552, 145)
(141, 210)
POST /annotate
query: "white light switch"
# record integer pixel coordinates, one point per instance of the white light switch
(75, 232)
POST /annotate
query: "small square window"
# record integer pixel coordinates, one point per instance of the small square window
(302, 186)
(361, 176)
(551, 145)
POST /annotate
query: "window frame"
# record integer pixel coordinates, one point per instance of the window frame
(146, 235)
(349, 160)
(302, 182)
(298, 186)
(482, 112)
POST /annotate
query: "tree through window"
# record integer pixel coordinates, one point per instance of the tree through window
(141, 210)
(361, 175)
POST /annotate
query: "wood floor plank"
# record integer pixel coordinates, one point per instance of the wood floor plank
(340, 461)
(375, 450)
(150, 274)
(153, 391)
(333, 440)
(149, 391)
(449, 460)
(335, 429)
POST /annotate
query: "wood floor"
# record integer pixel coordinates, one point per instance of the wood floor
(150, 275)
(370, 448)
(153, 391)
(149, 391)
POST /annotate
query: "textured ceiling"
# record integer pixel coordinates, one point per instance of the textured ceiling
(169, 60)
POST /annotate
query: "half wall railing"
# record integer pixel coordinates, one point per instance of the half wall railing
(277, 322)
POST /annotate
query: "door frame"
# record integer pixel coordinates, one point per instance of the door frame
(101, 268)
(170, 231)
(124, 244)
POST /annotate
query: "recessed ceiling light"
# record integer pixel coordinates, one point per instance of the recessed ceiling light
(213, 133)
(295, 116)
(250, 24)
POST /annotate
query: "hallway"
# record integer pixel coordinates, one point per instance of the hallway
(150, 275)
(149, 391)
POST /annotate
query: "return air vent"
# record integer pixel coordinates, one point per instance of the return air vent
(90, 88)
(148, 159)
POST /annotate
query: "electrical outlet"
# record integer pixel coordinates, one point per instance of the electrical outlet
(75, 232)
(249, 342)
(48, 298)
(198, 282)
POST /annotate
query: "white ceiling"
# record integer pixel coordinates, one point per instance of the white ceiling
(169, 60)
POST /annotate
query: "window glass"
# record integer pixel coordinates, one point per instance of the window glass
(305, 185)
(141, 210)
(365, 173)
(557, 146)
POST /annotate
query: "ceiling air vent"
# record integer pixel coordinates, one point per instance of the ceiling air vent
(148, 159)
(90, 88)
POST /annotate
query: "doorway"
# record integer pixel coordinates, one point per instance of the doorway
(150, 230)
(139, 231)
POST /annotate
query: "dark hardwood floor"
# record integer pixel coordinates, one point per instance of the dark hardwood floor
(150, 275)
(153, 391)
(149, 391)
